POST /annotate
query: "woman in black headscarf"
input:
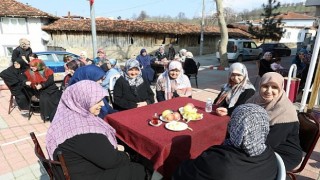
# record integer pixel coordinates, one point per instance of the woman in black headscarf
(14, 78)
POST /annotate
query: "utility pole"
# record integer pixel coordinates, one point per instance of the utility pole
(202, 24)
(93, 28)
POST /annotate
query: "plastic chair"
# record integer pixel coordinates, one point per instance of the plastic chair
(281, 168)
(112, 82)
(53, 168)
(309, 134)
(195, 75)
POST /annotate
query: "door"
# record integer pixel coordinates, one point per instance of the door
(255, 51)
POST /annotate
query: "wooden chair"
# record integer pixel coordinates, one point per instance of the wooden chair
(281, 168)
(309, 134)
(53, 168)
(34, 103)
(11, 104)
(195, 75)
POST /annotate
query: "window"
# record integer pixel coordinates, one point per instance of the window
(299, 36)
(253, 45)
(14, 25)
(8, 50)
(288, 34)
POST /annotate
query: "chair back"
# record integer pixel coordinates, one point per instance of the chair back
(281, 168)
(34, 102)
(112, 82)
(55, 169)
(309, 134)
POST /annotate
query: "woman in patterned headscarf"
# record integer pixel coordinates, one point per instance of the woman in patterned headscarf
(284, 123)
(89, 144)
(131, 90)
(173, 83)
(41, 84)
(243, 155)
(237, 91)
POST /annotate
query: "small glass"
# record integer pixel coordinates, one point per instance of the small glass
(155, 119)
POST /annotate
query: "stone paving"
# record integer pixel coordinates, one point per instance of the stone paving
(17, 157)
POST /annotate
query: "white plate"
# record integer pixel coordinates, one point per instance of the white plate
(156, 125)
(176, 126)
(181, 112)
(164, 120)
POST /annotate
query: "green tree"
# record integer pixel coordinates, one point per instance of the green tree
(271, 28)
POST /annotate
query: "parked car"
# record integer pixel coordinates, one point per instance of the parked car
(241, 49)
(54, 60)
(277, 49)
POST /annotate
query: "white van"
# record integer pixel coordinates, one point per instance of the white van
(241, 49)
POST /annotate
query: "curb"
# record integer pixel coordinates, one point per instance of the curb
(220, 68)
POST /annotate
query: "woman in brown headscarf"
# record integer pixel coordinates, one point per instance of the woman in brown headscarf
(284, 124)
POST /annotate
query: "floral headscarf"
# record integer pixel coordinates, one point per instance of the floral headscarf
(248, 129)
(132, 63)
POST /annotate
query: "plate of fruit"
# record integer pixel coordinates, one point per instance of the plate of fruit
(169, 116)
(189, 113)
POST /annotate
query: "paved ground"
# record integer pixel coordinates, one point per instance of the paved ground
(17, 157)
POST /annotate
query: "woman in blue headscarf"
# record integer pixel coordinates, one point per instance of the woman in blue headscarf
(93, 73)
(145, 60)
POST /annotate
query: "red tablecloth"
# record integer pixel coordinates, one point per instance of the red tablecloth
(165, 148)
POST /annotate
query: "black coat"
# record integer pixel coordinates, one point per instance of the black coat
(223, 162)
(127, 97)
(284, 139)
(244, 96)
(265, 67)
(18, 52)
(190, 66)
(91, 156)
(15, 80)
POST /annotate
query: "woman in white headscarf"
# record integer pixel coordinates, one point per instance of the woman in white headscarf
(131, 90)
(237, 91)
(173, 83)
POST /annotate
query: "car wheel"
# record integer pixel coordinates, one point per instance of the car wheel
(239, 59)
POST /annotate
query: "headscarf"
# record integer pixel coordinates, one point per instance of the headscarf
(113, 62)
(266, 55)
(231, 91)
(132, 63)
(248, 129)
(89, 72)
(144, 60)
(40, 75)
(23, 64)
(182, 80)
(280, 109)
(74, 118)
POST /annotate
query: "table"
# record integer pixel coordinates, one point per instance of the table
(165, 148)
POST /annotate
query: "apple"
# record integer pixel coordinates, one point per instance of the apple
(166, 112)
(176, 116)
(169, 117)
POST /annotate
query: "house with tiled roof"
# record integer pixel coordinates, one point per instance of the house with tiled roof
(124, 38)
(19, 20)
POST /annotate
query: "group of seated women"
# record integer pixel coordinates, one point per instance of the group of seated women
(33, 81)
(262, 122)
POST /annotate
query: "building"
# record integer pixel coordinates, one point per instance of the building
(21, 21)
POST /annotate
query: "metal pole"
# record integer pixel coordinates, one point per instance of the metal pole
(202, 24)
(93, 29)
(310, 72)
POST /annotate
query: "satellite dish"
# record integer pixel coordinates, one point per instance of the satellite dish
(45, 36)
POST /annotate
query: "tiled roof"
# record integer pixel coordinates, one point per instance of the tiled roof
(13, 8)
(107, 25)
(292, 15)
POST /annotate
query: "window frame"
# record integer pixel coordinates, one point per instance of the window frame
(17, 28)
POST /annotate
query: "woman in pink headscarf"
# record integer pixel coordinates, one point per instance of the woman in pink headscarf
(87, 142)
(173, 83)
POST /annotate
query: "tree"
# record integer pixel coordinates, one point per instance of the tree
(181, 16)
(224, 35)
(142, 16)
(271, 23)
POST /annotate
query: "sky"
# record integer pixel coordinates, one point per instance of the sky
(128, 8)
